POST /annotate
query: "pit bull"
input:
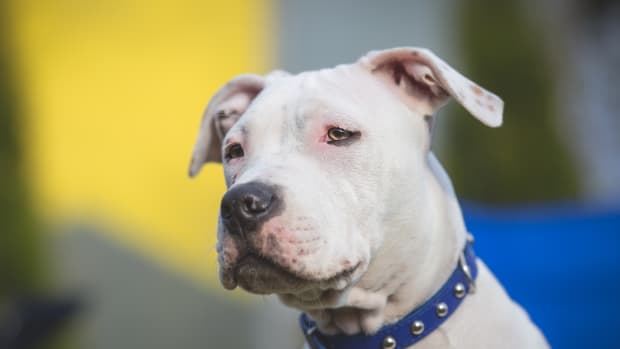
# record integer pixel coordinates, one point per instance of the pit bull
(337, 205)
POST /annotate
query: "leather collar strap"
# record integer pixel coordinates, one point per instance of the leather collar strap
(413, 327)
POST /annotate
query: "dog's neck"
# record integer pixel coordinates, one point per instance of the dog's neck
(415, 259)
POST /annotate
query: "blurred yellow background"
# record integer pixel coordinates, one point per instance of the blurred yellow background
(115, 94)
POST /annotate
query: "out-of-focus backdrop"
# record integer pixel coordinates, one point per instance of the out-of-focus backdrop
(105, 242)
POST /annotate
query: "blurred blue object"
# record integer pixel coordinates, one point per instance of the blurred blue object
(560, 262)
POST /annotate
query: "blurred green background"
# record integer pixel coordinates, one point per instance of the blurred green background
(100, 103)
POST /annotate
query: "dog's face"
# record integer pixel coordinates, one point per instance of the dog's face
(312, 160)
(314, 154)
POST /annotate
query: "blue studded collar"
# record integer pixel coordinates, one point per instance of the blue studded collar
(417, 324)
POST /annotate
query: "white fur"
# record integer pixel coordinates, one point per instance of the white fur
(382, 203)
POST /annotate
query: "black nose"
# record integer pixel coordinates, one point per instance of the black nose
(245, 207)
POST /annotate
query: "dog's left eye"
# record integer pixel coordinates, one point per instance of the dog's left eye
(233, 151)
(337, 135)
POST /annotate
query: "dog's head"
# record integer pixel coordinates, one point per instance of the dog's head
(316, 164)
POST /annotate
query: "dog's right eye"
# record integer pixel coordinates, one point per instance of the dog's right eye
(340, 136)
(233, 151)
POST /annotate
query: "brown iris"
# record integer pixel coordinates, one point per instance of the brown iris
(336, 134)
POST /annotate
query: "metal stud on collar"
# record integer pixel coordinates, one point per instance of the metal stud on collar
(389, 342)
(441, 309)
(459, 290)
(417, 327)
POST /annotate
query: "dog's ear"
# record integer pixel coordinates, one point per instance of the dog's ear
(224, 109)
(426, 82)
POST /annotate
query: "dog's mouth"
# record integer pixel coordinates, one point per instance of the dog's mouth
(260, 275)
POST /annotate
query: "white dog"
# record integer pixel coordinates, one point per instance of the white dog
(336, 204)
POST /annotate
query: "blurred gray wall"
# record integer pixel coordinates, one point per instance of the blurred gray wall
(131, 302)
(323, 33)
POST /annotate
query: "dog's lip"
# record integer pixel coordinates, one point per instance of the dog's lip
(228, 279)
(301, 282)
(248, 257)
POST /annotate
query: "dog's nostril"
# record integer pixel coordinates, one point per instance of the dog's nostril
(255, 205)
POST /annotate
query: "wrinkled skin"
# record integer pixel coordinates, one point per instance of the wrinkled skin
(369, 227)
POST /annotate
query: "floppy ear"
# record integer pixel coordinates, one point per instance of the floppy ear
(426, 82)
(224, 109)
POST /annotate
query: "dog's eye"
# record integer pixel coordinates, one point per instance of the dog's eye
(338, 134)
(233, 151)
